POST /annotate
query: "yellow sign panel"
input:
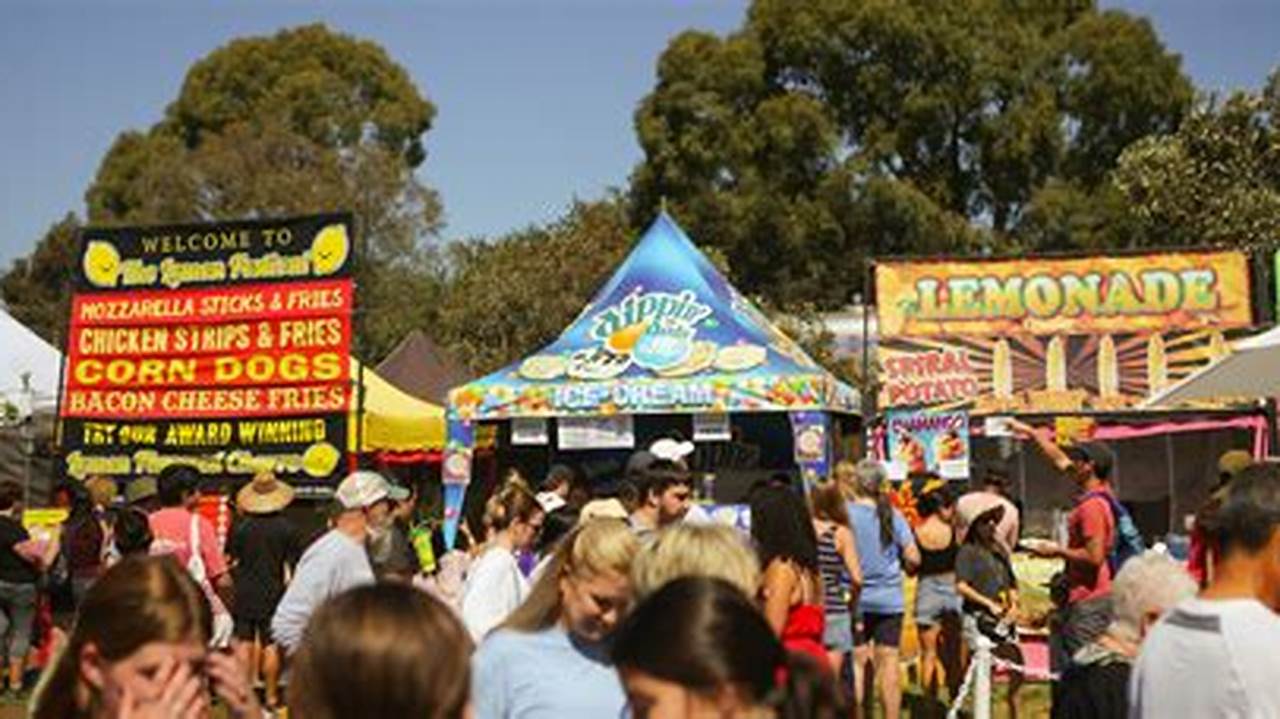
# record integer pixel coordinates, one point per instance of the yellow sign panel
(1080, 296)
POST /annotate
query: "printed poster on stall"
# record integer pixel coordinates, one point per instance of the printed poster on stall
(1081, 334)
(922, 441)
(223, 346)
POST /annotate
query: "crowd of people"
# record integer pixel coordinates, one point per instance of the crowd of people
(567, 604)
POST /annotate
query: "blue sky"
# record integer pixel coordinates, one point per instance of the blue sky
(534, 97)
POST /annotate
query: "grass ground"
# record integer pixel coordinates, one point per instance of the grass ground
(1033, 703)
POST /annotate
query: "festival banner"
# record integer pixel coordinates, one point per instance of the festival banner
(1077, 296)
(933, 442)
(222, 346)
(1054, 335)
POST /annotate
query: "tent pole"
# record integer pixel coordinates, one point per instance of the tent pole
(1273, 446)
(1173, 497)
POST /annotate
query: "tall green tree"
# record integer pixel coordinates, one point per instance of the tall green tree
(824, 131)
(512, 295)
(37, 288)
(1216, 181)
(304, 121)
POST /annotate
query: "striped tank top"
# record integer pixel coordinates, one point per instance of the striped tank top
(835, 576)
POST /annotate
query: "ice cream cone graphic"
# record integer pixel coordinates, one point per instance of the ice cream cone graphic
(1108, 372)
(1002, 370)
(1157, 367)
(1055, 366)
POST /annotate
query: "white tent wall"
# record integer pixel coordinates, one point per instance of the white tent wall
(29, 368)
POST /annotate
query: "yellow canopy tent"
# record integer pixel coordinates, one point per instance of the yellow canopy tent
(393, 420)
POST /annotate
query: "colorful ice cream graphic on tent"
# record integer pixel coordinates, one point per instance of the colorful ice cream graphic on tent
(666, 333)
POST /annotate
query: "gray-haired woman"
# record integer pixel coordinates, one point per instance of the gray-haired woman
(1096, 684)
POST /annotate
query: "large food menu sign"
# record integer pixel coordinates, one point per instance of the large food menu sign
(223, 346)
(1053, 335)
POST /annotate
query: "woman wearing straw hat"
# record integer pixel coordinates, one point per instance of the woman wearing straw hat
(263, 543)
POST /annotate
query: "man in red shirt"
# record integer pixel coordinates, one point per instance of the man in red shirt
(1091, 531)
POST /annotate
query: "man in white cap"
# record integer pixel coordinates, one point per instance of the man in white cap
(336, 561)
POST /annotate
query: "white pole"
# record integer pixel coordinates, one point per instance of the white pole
(982, 678)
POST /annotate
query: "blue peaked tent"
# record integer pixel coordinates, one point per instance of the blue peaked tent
(666, 334)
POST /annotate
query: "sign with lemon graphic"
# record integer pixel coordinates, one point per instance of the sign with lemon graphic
(225, 346)
(667, 333)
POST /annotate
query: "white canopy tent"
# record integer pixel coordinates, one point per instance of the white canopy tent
(1251, 370)
(29, 369)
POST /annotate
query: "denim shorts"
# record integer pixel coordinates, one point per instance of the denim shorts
(17, 610)
(935, 596)
(838, 634)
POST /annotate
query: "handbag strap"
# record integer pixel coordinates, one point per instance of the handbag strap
(195, 563)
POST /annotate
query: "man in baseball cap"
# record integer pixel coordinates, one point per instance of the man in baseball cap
(336, 561)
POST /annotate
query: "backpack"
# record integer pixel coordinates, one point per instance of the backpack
(1128, 542)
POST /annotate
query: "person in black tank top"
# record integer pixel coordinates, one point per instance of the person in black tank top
(937, 603)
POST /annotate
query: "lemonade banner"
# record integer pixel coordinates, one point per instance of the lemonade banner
(934, 442)
(667, 333)
(1086, 295)
(1094, 334)
(224, 346)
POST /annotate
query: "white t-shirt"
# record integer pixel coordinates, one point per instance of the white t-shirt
(494, 588)
(329, 567)
(1209, 658)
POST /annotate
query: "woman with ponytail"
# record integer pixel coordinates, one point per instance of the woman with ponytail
(550, 658)
(699, 647)
(886, 547)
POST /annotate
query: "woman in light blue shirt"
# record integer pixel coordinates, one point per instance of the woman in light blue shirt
(550, 658)
(886, 547)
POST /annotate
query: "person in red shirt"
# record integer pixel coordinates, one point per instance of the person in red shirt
(177, 488)
(1091, 531)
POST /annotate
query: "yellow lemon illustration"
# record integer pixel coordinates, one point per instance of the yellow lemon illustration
(624, 340)
(329, 249)
(101, 263)
(320, 459)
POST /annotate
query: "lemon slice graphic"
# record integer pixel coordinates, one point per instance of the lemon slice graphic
(320, 459)
(329, 250)
(101, 263)
(624, 340)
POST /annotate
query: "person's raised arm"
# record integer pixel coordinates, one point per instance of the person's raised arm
(1048, 447)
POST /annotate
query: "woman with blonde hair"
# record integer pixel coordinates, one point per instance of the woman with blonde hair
(695, 550)
(550, 658)
(382, 651)
(495, 585)
(139, 648)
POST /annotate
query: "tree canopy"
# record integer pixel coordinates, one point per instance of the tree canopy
(510, 296)
(1216, 181)
(824, 131)
(304, 121)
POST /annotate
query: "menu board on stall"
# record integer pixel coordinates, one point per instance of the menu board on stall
(222, 346)
(1054, 334)
(613, 432)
